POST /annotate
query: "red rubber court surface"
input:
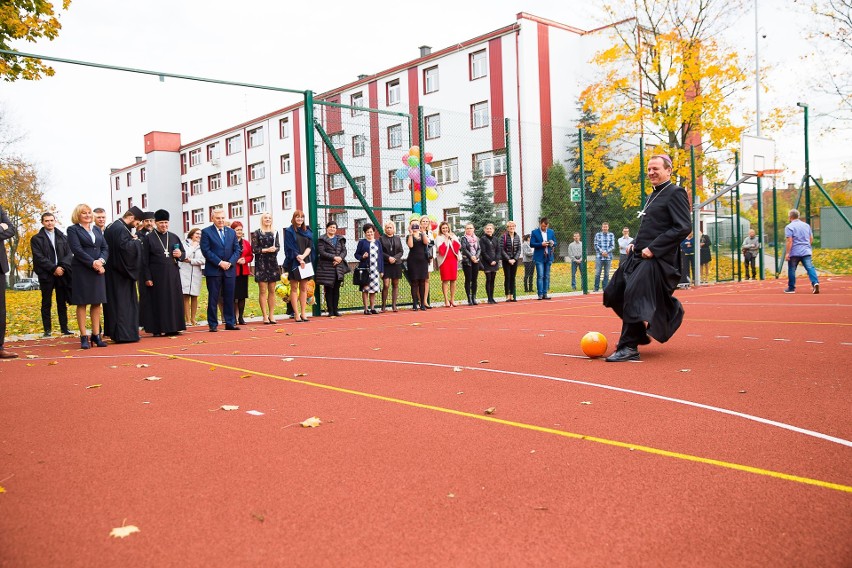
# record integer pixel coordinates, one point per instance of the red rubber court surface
(727, 446)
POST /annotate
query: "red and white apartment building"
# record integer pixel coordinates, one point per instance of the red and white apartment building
(531, 71)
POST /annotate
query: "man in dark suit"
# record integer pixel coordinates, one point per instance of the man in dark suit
(543, 243)
(7, 231)
(221, 249)
(52, 263)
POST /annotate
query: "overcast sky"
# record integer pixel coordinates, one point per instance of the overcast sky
(83, 121)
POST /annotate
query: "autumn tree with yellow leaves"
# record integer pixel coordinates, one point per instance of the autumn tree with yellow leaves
(668, 80)
(23, 200)
(27, 20)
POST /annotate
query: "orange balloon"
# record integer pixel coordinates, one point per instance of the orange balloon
(418, 196)
(593, 344)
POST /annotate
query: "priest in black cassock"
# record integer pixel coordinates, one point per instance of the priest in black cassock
(144, 227)
(162, 253)
(121, 311)
(642, 288)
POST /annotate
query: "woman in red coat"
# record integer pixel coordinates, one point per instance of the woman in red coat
(243, 273)
(448, 247)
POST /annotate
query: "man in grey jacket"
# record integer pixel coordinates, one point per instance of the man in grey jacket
(751, 248)
(575, 253)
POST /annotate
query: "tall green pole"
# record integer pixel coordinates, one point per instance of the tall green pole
(421, 141)
(583, 212)
(775, 227)
(509, 202)
(759, 227)
(807, 168)
(694, 215)
(312, 183)
(641, 172)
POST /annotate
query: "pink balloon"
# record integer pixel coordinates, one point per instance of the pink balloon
(414, 174)
(405, 159)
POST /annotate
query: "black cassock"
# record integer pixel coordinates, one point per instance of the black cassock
(164, 300)
(641, 289)
(142, 233)
(121, 312)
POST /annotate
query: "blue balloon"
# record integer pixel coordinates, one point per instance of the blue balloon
(402, 173)
(427, 169)
(418, 207)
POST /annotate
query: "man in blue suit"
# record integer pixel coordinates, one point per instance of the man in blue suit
(543, 243)
(221, 249)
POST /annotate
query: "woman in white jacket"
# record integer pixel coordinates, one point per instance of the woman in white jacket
(190, 275)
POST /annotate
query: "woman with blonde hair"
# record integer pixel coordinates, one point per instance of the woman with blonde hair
(267, 273)
(511, 253)
(90, 251)
(298, 240)
(471, 262)
(190, 275)
(448, 247)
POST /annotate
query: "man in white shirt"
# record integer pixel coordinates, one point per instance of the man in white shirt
(624, 240)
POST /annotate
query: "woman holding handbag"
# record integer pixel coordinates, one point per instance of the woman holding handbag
(298, 240)
(471, 262)
(448, 247)
(369, 255)
(510, 252)
(267, 273)
(392, 252)
(243, 273)
(331, 266)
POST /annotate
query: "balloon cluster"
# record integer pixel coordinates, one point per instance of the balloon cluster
(282, 289)
(411, 170)
(433, 223)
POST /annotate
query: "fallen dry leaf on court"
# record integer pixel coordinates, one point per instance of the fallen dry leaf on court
(184, 349)
(2, 489)
(300, 374)
(199, 342)
(311, 422)
(32, 356)
(52, 363)
(94, 386)
(245, 376)
(65, 350)
(460, 392)
(743, 392)
(415, 324)
(685, 370)
(172, 357)
(485, 361)
(142, 366)
(457, 369)
(212, 368)
(152, 378)
(229, 407)
(254, 412)
(235, 352)
(126, 530)
(113, 367)
(288, 359)
(491, 410)
(451, 495)
(376, 348)
(586, 402)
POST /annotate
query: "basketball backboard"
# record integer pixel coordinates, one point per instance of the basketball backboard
(758, 154)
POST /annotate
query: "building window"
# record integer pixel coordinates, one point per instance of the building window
(501, 210)
(186, 222)
(337, 140)
(357, 100)
(478, 65)
(392, 92)
(433, 126)
(194, 157)
(118, 207)
(183, 164)
(214, 182)
(129, 202)
(117, 183)
(284, 128)
(235, 177)
(257, 171)
(446, 171)
(213, 152)
(359, 145)
(129, 178)
(213, 208)
(395, 184)
(395, 136)
(235, 209)
(255, 137)
(359, 223)
(285, 164)
(490, 163)
(399, 223)
(258, 205)
(184, 193)
(336, 181)
(479, 115)
(142, 175)
(286, 200)
(339, 219)
(234, 145)
(430, 80)
(453, 218)
(195, 187)
(197, 216)
(144, 201)
(361, 184)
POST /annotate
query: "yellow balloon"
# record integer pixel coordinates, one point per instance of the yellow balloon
(431, 193)
(414, 151)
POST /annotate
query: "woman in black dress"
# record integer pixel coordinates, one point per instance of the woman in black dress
(88, 286)
(265, 246)
(298, 240)
(418, 267)
(392, 253)
(490, 260)
(705, 257)
(331, 266)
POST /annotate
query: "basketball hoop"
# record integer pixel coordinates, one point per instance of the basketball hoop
(768, 173)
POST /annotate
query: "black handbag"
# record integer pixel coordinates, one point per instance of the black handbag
(361, 276)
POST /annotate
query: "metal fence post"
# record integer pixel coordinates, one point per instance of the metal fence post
(509, 201)
(311, 169)
(583, 213)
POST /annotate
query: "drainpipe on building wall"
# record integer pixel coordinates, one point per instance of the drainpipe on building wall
(519, 136)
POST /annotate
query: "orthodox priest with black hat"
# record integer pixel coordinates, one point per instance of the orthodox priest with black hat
(162, 254)
(121, 311)
(641, 290)
(143, 229)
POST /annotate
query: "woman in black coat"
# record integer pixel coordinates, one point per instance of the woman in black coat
(510, 252)
(331, 267)
(490, 246)
(471, 262)
(392, 253)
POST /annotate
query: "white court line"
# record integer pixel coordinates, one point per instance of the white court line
(747, 337)
(781, 339)
(751, 417)
(812, 341)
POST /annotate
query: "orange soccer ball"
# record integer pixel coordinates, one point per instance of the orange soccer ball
(593, 344)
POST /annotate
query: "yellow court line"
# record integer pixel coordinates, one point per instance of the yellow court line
(534, 428)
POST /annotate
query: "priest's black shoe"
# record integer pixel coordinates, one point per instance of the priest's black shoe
(624, 354)
(229, 327)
